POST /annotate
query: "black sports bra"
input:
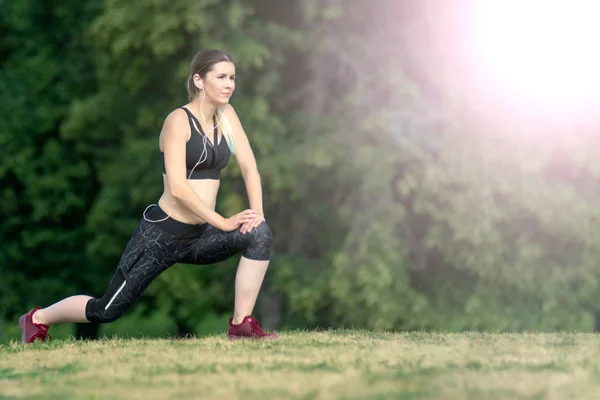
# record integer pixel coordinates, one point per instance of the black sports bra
(215, 158)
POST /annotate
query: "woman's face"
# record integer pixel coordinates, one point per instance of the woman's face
(219, 83)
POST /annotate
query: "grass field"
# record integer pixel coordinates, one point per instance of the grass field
(308, 365)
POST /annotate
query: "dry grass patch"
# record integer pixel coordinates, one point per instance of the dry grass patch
(308, 365)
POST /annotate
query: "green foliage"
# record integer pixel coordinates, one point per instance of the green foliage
(452, 221)
(46, 186)
(137, 324)
(395, 202)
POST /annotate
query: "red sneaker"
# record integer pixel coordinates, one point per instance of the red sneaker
(31, 331)
(248, 329)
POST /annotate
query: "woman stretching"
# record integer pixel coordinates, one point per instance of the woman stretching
(196, 143)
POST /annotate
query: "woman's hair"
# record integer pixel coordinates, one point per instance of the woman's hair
(202, 63)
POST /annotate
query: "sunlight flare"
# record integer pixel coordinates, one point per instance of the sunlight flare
(542, 51)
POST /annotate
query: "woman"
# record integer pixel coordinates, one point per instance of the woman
(196, 143)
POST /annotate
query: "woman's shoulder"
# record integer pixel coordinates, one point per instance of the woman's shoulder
(176, 122)
(177, 116)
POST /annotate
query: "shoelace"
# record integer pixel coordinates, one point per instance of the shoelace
(42, 334)
(256, 328)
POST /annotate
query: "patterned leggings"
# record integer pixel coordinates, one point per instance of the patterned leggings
(155, 246)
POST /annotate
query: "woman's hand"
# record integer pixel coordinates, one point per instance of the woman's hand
(246, 216)
(247, 226)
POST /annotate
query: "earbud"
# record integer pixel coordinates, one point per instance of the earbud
(201, 85)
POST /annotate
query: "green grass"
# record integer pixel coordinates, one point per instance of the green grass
(308, 365)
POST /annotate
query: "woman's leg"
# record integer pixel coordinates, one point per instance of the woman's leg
(215, 246)
(248, 280)
(71, 309)
(148, 253)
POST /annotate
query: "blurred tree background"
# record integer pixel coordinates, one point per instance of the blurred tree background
(402, 195)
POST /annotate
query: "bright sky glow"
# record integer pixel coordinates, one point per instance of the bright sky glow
(544, 51)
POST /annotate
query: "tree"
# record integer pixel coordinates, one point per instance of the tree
(46, 185)
(435, 236)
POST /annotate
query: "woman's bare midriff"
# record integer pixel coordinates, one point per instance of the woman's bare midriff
(206, 189)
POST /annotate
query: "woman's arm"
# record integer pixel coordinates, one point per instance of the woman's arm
(245, 159)
(247, 163)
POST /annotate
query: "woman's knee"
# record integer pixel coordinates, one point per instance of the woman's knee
(263, 231)
(100, 312)
(117, 300)
(260, 240)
